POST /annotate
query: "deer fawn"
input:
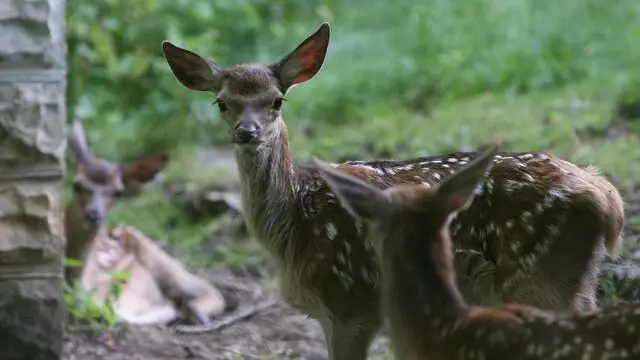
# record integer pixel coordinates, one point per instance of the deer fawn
(197, 295)
(141, 300)
(97, 184)
(427, 315)
(524, 224)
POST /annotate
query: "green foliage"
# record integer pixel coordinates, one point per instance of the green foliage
(120, 82)
(81, 304)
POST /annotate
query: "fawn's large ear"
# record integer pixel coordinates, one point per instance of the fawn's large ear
(305, 61)
(359, 198)
(191, 69)
(143, 169)
(78, 142)
(457, 191)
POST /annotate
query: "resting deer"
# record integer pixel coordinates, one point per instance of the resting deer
(524, 224)
(141, 300)
(97, 184)
(427, 315)
(197, 294)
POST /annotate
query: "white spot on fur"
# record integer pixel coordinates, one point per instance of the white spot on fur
(609, 343)
(526, 217)
(406, 167)
(368, 167)
(331, 231)
(511, 186)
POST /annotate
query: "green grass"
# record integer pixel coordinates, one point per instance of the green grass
(401, 56)
(553, 121)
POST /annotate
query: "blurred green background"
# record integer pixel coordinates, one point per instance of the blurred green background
(402, 78)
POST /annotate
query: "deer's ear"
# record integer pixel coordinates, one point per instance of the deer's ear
(78, 142)
(305, 61)
(359, 198)
(143, 169)
(457, 191)
(191, 69)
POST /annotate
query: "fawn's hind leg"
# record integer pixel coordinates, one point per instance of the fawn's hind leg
(587, 299)
(564, 277)
(348, 340)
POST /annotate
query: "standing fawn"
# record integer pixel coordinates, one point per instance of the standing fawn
(528, 224)
(97, 184)
(427, 315)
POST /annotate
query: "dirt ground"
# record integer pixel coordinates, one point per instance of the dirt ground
(275, 332)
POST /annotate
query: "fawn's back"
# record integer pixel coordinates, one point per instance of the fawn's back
(531, 212)
(428, 316)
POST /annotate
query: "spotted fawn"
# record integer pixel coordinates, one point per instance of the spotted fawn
(521, 228)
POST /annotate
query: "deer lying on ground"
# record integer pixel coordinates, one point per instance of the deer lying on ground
(527, 221)
(143, 300)
(427, 315)
(198, 296)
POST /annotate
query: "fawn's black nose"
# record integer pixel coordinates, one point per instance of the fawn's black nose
(93, 215)
(245, 133)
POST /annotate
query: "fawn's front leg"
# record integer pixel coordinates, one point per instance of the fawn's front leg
(348, 340)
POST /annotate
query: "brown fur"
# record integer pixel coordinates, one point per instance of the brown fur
(429, 319)
(327, 266)
(97, 182)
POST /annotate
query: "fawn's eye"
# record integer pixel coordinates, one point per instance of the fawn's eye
(277, 103)
(221, 105)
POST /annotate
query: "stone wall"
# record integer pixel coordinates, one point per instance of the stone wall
(32, 128)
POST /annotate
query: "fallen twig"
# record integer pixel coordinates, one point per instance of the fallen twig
(226, 321)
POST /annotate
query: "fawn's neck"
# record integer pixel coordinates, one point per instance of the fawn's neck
(80, 234)
(269, 180)
(420, 288)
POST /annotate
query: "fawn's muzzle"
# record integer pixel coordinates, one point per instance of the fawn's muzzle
(93, 215)
(245, 133)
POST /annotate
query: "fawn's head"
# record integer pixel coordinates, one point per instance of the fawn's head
(250, 96)
(407, 216)
(97, 182)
